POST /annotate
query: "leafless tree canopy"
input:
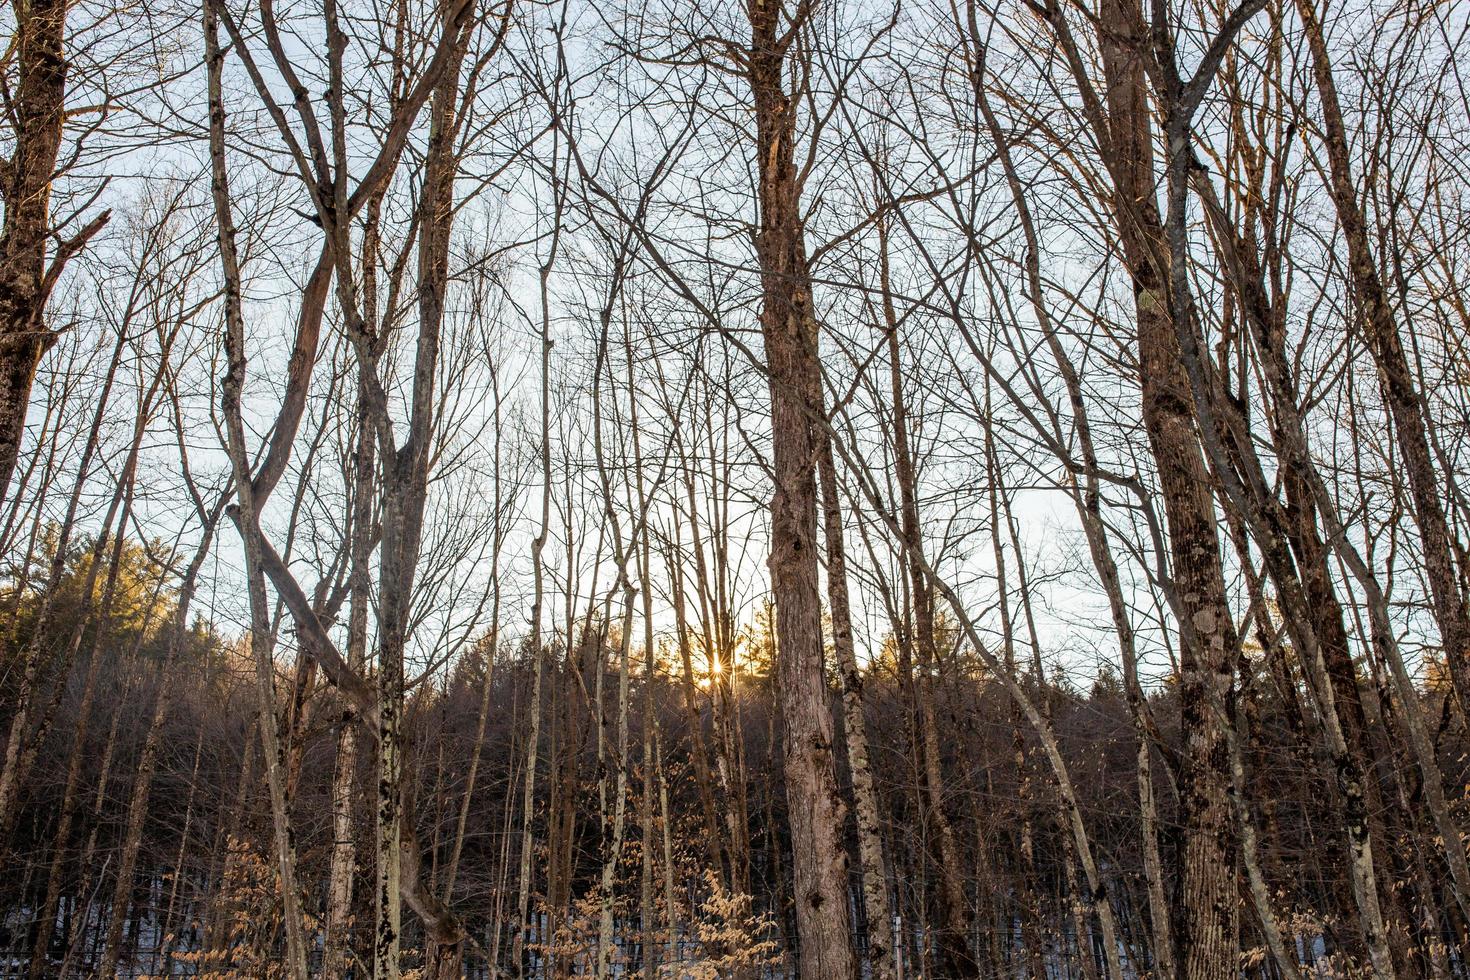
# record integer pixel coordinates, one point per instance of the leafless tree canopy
(824, 489)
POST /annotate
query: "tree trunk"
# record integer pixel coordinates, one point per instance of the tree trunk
(37, 113)
(1207, 918)
(337, 943)
(82, 724)
(148, 759)
(1405, 407)
(232, 394)
(958, 960)
(855, 728)
(789, 327)
(21, 743)
(534, 640)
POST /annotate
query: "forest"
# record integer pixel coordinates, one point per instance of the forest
(735, 489)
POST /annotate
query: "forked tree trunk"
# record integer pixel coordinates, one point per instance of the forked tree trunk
(1208, 927)
(232, 394)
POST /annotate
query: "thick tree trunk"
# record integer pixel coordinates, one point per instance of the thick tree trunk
(387, 936)
(788, 324)
(37, 112)
(1208, 926)
(21, 347)
(405, 481)
(337, 943)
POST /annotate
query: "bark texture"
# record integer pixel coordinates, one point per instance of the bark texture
(1207, 917)
(789, 328)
